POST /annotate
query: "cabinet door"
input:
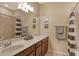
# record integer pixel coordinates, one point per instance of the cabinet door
(46, 46)
(32, 53)
(43, 49)
(38, 51)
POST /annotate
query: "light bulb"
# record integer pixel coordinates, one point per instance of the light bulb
(20, 5)
(24, 6)
(5, 5)
(28, 7)
(32, 9)
(25, 3)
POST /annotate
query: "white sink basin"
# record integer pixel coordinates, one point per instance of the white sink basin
(12, 48)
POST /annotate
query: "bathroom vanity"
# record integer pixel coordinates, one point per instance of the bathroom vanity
(38, 49)
(38, 46)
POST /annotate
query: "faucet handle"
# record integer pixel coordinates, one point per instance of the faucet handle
(7, 43)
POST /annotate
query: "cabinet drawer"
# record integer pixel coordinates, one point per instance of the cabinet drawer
(38, 44)
(27, 51)
(43, 49)
(38, 51)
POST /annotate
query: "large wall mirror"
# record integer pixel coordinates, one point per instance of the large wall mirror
(12, 23)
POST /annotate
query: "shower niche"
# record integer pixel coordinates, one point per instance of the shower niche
(61, 32)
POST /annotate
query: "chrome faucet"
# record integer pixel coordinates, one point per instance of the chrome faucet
(7, 43)
(28, 37)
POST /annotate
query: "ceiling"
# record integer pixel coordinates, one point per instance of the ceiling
(42, 2)
(13, 5)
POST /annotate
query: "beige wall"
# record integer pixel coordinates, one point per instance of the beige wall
(57, 13)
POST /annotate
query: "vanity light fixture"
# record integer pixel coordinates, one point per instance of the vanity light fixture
(25, 7)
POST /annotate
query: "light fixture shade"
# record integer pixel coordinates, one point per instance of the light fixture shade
(5, 5)
(25, 3)
(32, 9)
(20, 5)
(23, 8)
(28, 7)
(26, 10)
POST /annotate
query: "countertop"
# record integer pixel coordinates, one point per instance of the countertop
(21, 41)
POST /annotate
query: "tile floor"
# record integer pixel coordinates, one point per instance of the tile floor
(49, 53)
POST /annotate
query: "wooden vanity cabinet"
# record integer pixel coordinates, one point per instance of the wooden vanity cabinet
(27, 52)
(43, 49)
(44, 46)
(38, 49)
(31, 54)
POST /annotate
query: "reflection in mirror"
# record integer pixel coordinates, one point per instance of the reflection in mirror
(10, 21)
(7, 26)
